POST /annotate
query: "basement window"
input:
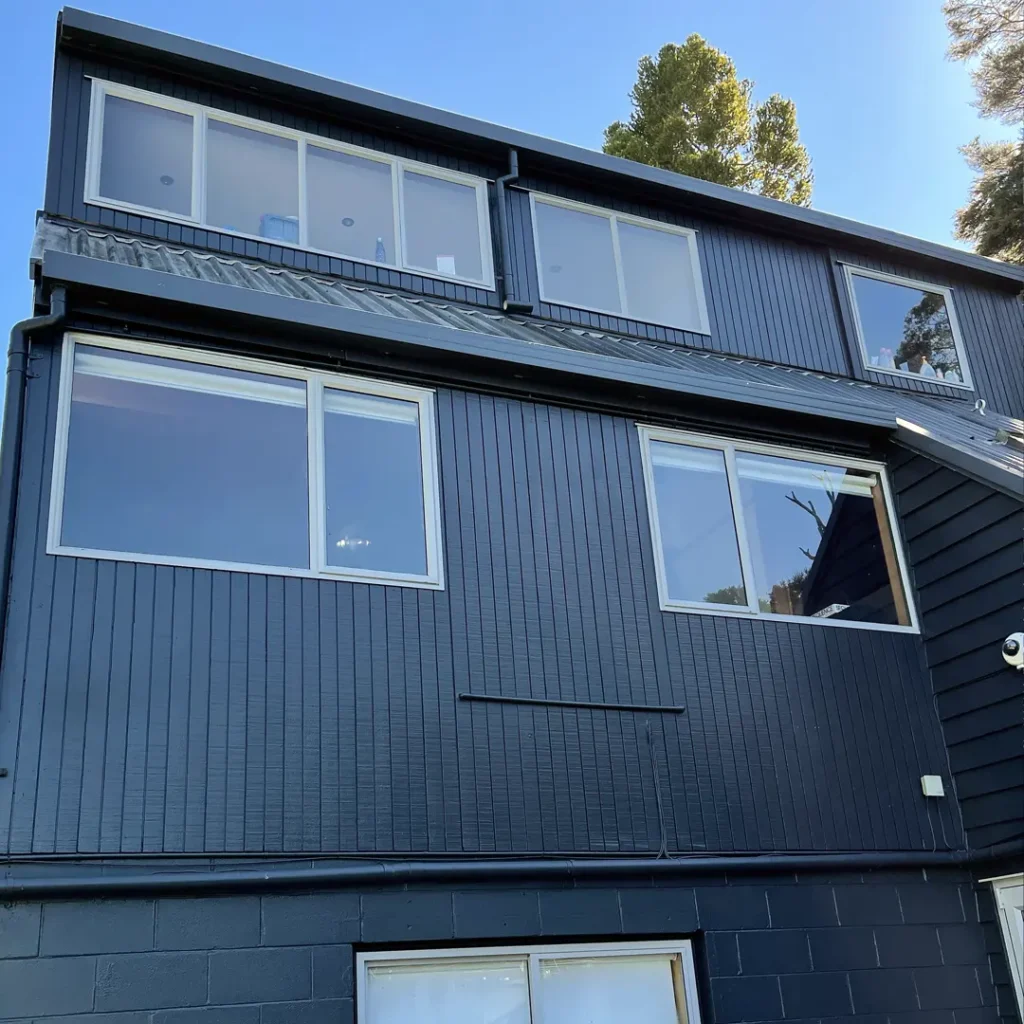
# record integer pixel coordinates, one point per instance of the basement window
(617, 264)
(158, 156)
(586, 984)
(906, 328)
(765, 532)
(176, 457)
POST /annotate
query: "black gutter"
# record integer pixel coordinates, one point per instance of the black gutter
(11, 436)
(335, 321)
(92, 32)
(403, 872)
(508, 295)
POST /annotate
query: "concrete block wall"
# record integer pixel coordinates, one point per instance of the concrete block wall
(886, 948)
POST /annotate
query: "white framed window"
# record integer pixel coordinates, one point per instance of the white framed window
(157, 156)
(776, 533)
(1008, 891)
(174, 456)
(653, 982)
(614, 263)
(906, 328)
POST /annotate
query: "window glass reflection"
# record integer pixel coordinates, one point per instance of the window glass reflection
(374, 519)
(906, 329)
(817, 537)
(698, 532)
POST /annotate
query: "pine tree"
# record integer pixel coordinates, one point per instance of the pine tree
(691, 114)
(992, 33)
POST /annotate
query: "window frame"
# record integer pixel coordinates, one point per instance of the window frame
(1006, 931)
(201, 115)
(683, 948)
(730, 446)
(851, 270)
(615, 217)
(315, 382)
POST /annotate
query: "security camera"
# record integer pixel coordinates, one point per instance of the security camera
(1013, 651)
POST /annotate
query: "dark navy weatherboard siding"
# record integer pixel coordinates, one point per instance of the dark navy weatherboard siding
(964, 545)
(150, 708)
(768, 297)
(892, 948)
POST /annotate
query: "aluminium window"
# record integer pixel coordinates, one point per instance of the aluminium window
(178, 457)
(759, 531)
(906, 328)
(1008, 891)
(159, 156)
(618, 264)
(652, 982)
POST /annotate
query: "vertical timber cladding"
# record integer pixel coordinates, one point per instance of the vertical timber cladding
(151, 708)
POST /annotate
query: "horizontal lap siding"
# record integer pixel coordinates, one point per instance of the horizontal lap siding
(147, 708)
(965, 549)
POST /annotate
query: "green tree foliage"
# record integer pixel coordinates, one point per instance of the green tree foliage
(927, 335)
(691, 114)
(991, 32)
(994, 215)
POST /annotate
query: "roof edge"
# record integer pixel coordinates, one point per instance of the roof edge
(241, 302)
(74, 24)
(996, 477)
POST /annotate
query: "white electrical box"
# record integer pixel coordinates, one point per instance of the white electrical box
(931, 785)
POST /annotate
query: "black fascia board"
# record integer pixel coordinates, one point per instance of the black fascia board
(280, 311)
(997, 477)
(83, 30)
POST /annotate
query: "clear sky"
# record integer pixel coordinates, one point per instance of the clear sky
(881, 110)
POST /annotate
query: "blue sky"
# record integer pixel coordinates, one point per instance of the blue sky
(880, 108)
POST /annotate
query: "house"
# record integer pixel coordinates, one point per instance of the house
(452, 575)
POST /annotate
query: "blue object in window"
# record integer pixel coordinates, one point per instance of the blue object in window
(273, 225)
(380, 255)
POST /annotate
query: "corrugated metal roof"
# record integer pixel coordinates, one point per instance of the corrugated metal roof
(953, 423)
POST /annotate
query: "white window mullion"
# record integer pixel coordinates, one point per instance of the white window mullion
(534, 988)
(746, 561)
(199, 168)
(398, 202)
(317, 489)
(303, 199)
(95, 144)
(620, 277)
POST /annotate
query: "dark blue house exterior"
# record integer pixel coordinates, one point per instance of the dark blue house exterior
(454, 576)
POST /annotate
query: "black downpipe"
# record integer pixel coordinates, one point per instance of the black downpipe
(11, 437)
(403, 872)
(508, 295)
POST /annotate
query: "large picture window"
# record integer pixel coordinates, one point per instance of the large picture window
(761, 531)
(617, 264)
(177, 457)
(159, 156)
(590, 984)
(906, 328)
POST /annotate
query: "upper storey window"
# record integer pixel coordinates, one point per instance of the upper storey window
(174, 456)
(163, 157)
(907, 328)
(617, 264)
